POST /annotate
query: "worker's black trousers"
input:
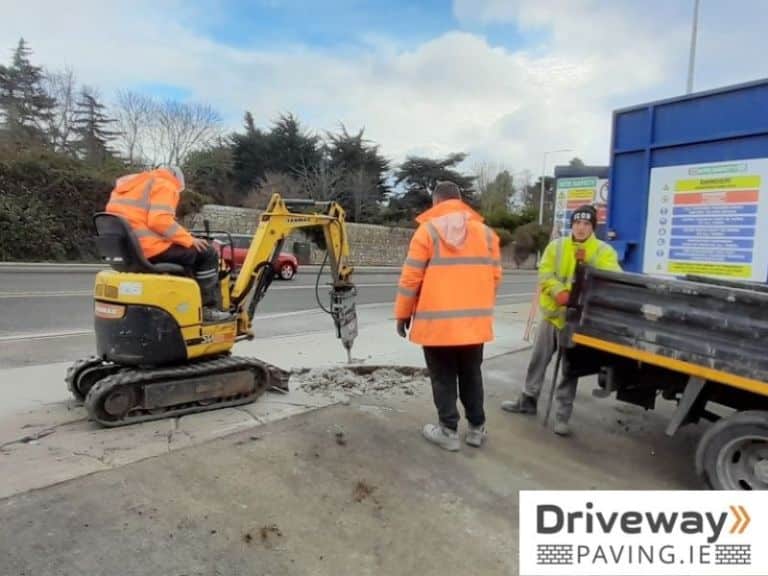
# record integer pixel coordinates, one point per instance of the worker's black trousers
(203, 265)
(449, 365)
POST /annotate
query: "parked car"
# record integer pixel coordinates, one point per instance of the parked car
(285, 267)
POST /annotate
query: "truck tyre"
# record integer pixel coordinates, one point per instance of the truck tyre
(733, 453)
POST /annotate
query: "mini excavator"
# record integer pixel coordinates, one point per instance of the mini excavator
(157, 358)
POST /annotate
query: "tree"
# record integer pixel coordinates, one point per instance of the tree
(61, 88)
(533, 193)
(576, 163)
(291, 148)
(497, 194)
(285, 149)
(178, 128)
(274, 182)
(133, 112)
(419, 176)
(91, 127)
(250, 152)
(25, 108)
(321, 182)
(362, 184)
(211, 172)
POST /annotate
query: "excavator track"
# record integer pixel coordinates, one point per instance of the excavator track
(142, 394)
(84, 373)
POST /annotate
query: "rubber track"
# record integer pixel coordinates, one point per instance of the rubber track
(75, 369)
(277, 378)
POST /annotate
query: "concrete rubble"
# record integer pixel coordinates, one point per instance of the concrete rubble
(359, 381)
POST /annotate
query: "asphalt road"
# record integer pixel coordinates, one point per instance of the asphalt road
(47, 316)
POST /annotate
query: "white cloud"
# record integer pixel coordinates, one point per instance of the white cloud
(455, 92)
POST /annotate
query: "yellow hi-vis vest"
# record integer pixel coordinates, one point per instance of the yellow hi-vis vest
(558, 266)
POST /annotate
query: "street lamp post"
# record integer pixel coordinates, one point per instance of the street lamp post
(692, 54)
(543, 171)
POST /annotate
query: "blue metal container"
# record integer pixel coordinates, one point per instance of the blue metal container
(726, 124)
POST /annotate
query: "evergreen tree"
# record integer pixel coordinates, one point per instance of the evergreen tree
(362, 183)
(25, 108)
(92, 129)
(419, 175)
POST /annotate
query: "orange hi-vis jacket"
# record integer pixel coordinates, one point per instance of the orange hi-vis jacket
(148, 202)
(449, 280)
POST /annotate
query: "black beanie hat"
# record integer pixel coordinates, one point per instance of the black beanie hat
(586, 212)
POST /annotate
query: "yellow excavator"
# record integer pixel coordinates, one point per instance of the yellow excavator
(156, 357)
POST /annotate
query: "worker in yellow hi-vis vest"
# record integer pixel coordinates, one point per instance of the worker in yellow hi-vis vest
(556, 275)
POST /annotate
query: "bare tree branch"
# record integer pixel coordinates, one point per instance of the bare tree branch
(166, 132)
(184, 128)
(134, 113)
(62, 88)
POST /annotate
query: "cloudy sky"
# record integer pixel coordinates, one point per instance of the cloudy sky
(503, 80)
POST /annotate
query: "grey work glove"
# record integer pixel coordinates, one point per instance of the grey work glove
(403, 326)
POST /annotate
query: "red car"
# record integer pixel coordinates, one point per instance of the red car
(285, 267)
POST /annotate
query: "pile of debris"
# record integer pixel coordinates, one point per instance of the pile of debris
(362, 380)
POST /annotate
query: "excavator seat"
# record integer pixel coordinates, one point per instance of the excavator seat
(119, 247)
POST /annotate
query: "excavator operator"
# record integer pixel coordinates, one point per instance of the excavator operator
(148, 201)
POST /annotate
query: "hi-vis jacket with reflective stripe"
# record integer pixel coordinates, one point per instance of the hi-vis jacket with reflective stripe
(449, 280)
(148, 201)
(558, 266)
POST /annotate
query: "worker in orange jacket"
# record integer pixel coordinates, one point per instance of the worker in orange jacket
(446, 297)
(148, 201)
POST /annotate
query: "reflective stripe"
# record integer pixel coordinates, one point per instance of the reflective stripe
(407, 292)
(559, 259)
(435, 240)
(147, 191)
(128, 202)
(447, 314)
(205, 274)
(464, 260)
(557, 288)
(489, 239)
(437, 260)
(553, 313)
(171, 231)
(415, 263)
(146, 234)
(143, 202)
(162, 208)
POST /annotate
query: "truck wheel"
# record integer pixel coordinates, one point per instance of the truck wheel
(733, 453)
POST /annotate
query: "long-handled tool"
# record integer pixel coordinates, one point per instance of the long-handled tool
(560, 350)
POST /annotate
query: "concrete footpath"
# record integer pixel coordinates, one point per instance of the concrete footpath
(345, 485)
(45, 439)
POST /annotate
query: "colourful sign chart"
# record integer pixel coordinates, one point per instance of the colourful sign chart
(575, 192)
(708, 220)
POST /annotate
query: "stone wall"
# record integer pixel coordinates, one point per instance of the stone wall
(370, 245)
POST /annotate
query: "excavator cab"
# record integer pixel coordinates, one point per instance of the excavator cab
(157, 358)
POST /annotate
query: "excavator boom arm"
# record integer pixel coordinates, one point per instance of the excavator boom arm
(275, 225)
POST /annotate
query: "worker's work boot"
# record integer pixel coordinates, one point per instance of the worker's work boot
(562, 428)
(523, 405)
(445, 438)
(213, 315)
(476, 435)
